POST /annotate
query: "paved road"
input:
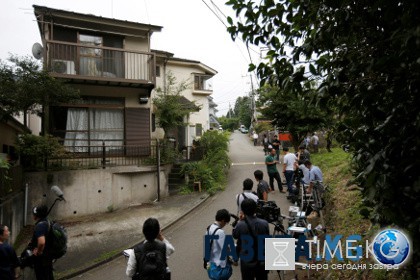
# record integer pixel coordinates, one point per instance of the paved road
(187, 234)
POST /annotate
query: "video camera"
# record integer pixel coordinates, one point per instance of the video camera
(268, 210)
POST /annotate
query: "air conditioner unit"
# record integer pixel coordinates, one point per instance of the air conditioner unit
(63, 66)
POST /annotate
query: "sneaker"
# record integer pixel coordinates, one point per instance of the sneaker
(282, 191)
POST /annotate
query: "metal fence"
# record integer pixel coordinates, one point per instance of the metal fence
(92, 157)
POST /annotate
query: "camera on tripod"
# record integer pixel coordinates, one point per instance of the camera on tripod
(268, 210)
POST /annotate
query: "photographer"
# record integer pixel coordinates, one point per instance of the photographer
(250, 225)
(8, 260)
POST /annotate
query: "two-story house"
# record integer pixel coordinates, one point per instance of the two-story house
(198, 77)
(112, 65)
(109, 61)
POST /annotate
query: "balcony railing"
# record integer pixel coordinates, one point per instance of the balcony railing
(87, 62)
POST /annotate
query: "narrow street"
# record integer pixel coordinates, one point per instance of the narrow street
(187, 234)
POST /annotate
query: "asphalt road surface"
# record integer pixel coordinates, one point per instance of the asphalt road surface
(187, 234)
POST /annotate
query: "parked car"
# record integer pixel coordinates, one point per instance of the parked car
(243, 130)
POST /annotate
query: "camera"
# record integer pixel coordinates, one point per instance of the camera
(26, 258)
(236, 218)
(268, 210)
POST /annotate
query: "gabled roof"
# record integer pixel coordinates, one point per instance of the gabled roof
(170, 59)
(92, 22)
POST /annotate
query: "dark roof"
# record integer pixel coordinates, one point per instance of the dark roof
(188, 104)
(79, 20)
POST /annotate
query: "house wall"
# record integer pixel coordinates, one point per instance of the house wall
(137, 44)
(184, 73)
(8, 135)
(131, 95)
(89, 192)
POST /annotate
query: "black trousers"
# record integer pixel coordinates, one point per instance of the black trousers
(276, 176)
(253, 272)
(43, 268)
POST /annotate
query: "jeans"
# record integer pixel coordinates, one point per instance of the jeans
(276, 176)
(289, 174)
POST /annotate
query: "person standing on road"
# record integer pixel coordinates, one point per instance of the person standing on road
(247, 193)
(262, 188)
(272, 171)
(250, 225)
(155, 242)
(9, 261)
(255, 137)
(43, 264)
(289, 165)
(218, 269)
(276, 145)
(265, 144)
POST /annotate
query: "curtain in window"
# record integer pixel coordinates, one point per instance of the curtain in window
(89, 127)
(76, 130)
(108, 125)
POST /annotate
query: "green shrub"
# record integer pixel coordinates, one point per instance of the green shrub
(212, 169)
(35, 150)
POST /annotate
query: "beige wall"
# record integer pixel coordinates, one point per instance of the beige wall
(95, 191)
(184, 73)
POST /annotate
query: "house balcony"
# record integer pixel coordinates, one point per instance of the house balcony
(202, 85)
(100, 65)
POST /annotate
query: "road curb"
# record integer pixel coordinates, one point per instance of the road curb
(112, 257)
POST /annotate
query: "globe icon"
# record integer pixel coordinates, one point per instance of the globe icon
(391, 247)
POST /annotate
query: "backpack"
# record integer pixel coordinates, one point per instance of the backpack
(56, 240)
(151, 260)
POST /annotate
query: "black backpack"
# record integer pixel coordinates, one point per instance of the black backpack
(56, 241)
(151, 260)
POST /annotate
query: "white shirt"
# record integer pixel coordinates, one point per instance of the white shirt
(216, 248)
(289, 159)
(255, 136)
(132, 263)
(248, 194)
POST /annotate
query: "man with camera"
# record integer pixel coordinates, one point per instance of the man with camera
(252, 226)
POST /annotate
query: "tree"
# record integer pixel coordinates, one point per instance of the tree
(293, 112)
(229, 123)
(26, 88)
(364, 56)
(171, 105)
(242, 110)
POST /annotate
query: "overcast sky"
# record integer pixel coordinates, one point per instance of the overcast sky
(190, 30)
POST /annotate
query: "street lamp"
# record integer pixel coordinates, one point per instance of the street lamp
(159, 135)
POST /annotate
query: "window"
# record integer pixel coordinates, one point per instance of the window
(90, 123)
(157, 71)
(90, 57)
(202, 82)
(198, 129)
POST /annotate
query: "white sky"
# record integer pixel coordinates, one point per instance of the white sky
(190, 30)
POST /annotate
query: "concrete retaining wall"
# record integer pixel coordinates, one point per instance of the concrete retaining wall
(89, 192)
(12, 214)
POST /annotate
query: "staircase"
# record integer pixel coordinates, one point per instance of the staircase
(175, 179)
